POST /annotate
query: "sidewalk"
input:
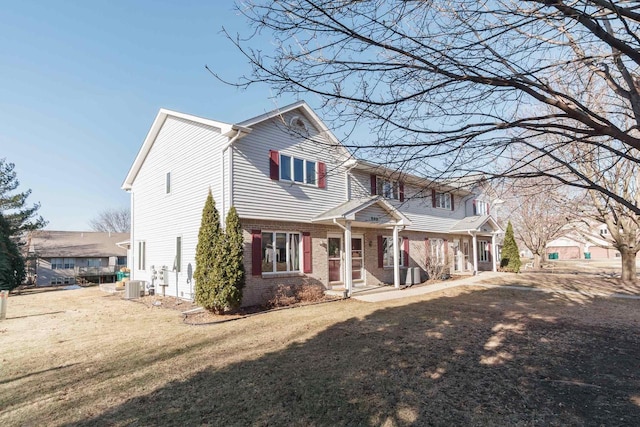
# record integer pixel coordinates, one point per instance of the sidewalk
(424, 289)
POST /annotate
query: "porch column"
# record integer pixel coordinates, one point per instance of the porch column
(348, 276)
(396, 258)
(494, 251)
(475, 254)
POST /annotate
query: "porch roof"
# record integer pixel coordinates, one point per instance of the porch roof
(476, 223)
(349, 210)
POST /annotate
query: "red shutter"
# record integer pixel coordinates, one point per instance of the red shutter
(306, 244)
(433, 198)
(380, 253)
(401, 191)
(405, 249)
(373, 185)
(452, 208)
(274, 165)
(322, 175)
(475, 209)
(488, 207)
(256, 252)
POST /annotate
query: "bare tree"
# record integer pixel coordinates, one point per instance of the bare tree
(450, 87)
(622, 176)
(538, 217)
(113, 220)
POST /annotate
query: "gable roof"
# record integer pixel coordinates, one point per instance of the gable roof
(303, 107)
(158, 122)
(349, 209)
(58, 244)
(475, 223)
(226, 129)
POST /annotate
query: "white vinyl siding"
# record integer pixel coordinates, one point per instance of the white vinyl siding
(158, 219)
(281, 199)
(417, 205)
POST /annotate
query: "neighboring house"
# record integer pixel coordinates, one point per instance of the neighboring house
(310, 211)
(67, 257)
(575, 245)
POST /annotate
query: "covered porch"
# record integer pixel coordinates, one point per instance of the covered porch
(482, 232)
(346, 247)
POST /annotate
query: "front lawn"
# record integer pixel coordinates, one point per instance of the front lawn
(464, 356)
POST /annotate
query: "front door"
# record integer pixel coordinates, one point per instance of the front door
(465, 253)
(357, 261)
(335, 259)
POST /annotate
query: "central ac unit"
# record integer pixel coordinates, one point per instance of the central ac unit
(132, 289)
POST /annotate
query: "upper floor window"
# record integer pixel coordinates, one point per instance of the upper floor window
(63, 263)
(443, 200)
(94, 262)
(387, 188)
(167, 183)
(604, 231)
(283, 167)
(297, 170)
(480, 207)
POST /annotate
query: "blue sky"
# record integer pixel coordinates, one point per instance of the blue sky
(81, 82)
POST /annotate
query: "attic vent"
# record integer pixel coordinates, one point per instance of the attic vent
(298, 123)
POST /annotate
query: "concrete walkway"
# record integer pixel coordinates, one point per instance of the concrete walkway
(387, 295)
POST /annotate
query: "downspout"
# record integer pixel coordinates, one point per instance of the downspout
(228, 170)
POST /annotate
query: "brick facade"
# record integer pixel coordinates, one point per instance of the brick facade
(260, 288)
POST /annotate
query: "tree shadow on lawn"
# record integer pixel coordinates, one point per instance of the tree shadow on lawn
(481, 358)
(581, 283)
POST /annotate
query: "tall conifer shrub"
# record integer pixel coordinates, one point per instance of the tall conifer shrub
(232, 265)
(208, 254)
(219, 270)
(510, 254)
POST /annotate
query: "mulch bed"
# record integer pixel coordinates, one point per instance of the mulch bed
(204, 317)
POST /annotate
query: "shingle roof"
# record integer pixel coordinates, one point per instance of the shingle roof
(48, 244)
(472, 223)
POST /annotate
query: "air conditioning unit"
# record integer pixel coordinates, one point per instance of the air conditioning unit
(410, 275)
(133, 289)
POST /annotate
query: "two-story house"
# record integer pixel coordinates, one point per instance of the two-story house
(68, 257)
(310, 211)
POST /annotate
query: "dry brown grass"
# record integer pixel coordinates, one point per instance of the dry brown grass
(465, 356)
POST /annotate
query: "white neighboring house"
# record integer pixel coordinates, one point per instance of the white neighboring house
(310, 212)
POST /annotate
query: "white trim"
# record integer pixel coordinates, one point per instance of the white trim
(396, 258)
